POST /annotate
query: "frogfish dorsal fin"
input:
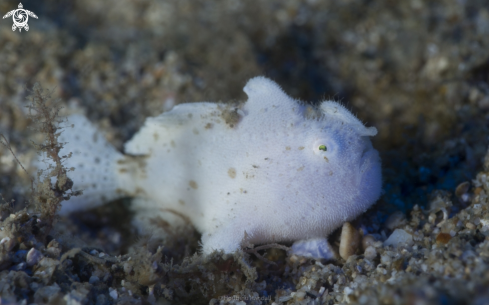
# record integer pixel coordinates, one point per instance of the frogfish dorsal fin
(264, 94)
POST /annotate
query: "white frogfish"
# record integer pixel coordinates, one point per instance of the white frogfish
(271, 169)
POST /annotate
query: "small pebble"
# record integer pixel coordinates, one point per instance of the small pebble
(284, 298)
(386, 260)
(321, 290)
(367, 241)
(113, 293)
(370, 253)
(8, 243)
(53, 252)
(443, 238)
(93, 279)
(33, 257)
(299, 295)
(53, 249)
(399, 238)
(484, 222)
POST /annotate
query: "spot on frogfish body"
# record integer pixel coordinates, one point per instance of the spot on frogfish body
(193, 184)
(232, 172)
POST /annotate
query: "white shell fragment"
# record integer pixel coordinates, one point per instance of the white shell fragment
(271, 169)
(350, 241)
(399, 238)
(33, 257)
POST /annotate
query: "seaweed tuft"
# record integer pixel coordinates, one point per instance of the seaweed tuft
(52, 185)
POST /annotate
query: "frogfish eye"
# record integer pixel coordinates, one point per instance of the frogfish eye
(323, 147)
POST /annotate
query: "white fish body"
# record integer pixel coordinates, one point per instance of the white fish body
(270, 170)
